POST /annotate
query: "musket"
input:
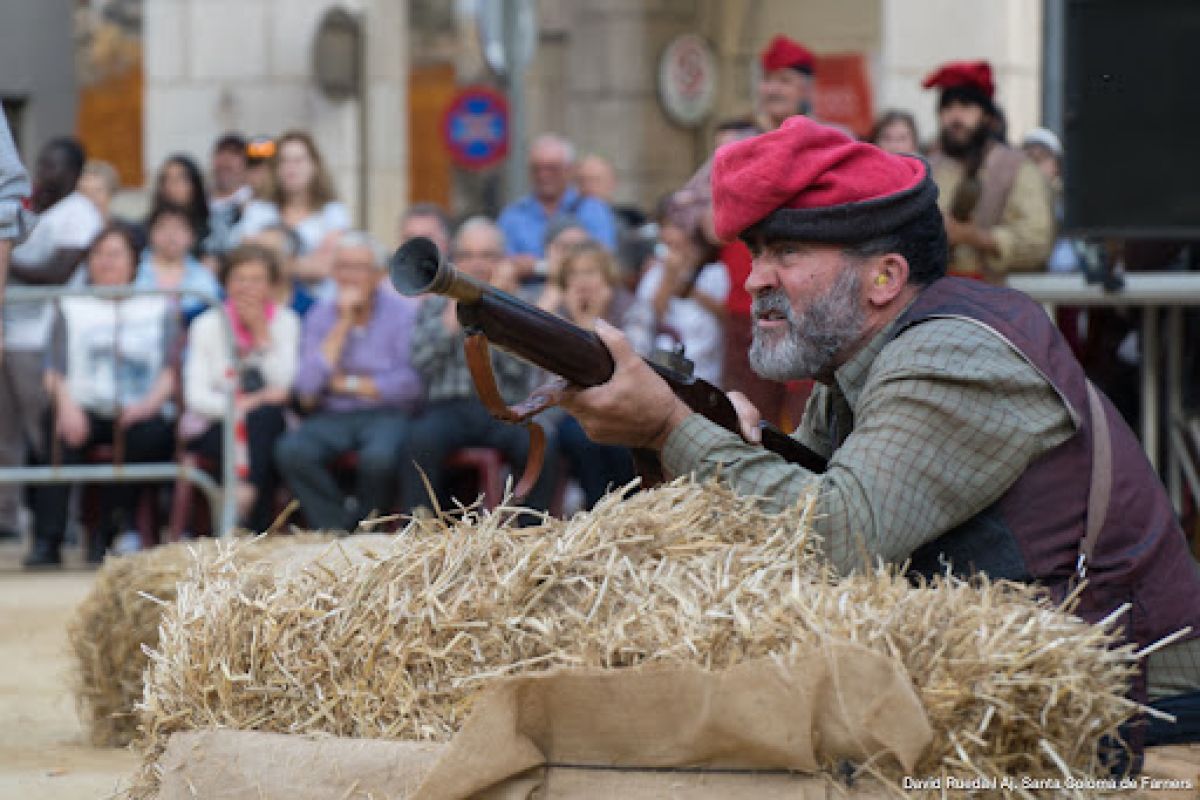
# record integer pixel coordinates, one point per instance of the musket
(576, 355)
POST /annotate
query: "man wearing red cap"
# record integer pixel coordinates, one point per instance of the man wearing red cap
(958, 427)
(785, 89)
(997, 205)
(786, 86)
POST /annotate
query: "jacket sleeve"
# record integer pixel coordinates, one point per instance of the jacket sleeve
(399, 382)
(1025, 234)
(205, 386)
(432, 344)
(313, 371)
(15, 221)
(279, 366)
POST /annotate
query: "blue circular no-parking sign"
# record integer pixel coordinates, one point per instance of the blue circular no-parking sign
(475, 127)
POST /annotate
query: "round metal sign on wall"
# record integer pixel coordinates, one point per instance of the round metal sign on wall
(687, 79)
(337, 54)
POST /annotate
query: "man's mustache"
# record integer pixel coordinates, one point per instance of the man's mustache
(773, 301)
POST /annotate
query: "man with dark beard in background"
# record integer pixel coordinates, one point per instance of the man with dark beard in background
(996, 204)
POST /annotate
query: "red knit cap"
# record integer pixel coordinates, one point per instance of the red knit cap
(782, 53)
(959, 74)
(808, 181)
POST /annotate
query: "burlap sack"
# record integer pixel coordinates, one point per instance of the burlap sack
(546, 735)
(749, 732)
(248, 765)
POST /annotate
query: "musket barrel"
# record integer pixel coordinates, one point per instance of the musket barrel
(418, 268)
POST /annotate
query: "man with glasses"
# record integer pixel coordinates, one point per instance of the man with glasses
(454, 418)
(553, 198)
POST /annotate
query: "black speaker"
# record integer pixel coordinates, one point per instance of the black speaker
(1131, 118)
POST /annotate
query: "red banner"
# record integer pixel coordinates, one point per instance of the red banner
(843, 92)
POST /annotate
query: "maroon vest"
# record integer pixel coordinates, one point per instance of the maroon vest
(1033, 532)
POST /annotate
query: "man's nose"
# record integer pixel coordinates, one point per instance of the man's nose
(763, 276)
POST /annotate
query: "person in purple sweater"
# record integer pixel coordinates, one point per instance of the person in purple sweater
(355, 377)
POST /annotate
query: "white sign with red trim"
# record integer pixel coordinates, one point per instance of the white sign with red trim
(687, 79)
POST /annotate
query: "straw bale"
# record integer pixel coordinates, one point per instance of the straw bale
(1012, 685)
(121, 614)
(109, 629)
(397, 646)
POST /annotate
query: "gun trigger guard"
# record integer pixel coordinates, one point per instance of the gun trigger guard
(479, 363)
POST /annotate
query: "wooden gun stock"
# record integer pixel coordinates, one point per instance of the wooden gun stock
(560, 347)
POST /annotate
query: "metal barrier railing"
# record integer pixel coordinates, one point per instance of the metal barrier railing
(221, 496)
(1152, 292)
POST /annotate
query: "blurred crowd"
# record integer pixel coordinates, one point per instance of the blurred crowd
(357, 401)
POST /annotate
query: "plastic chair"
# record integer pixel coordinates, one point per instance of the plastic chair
(488, 466)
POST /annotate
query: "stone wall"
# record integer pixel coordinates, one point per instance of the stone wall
(605, 97)
(595, 74)
(217, 65)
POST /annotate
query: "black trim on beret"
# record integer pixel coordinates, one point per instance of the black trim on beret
(848, 223)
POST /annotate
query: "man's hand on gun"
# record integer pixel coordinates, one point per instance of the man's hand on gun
(635, 408)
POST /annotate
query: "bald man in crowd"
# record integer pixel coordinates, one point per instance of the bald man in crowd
(597, 178)
(553, 198)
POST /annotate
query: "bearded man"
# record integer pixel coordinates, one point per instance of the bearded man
(960, 431)
(997, 206)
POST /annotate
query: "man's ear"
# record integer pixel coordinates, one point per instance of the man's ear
(887, 277)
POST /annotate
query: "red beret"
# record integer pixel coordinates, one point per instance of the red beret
(959, 74)
(783, 52)
(808, 181)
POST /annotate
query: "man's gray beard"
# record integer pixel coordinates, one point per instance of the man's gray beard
(813, 338)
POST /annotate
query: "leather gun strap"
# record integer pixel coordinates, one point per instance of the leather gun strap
(479, 362)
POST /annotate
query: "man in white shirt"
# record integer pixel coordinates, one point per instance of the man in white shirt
(230, 190)
(49, 256)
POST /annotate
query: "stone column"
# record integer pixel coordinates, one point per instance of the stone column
(217, 65)
(387, 116)
(597, 84)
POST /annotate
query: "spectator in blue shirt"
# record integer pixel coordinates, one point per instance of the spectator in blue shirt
(524, 222)
(168, 262)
